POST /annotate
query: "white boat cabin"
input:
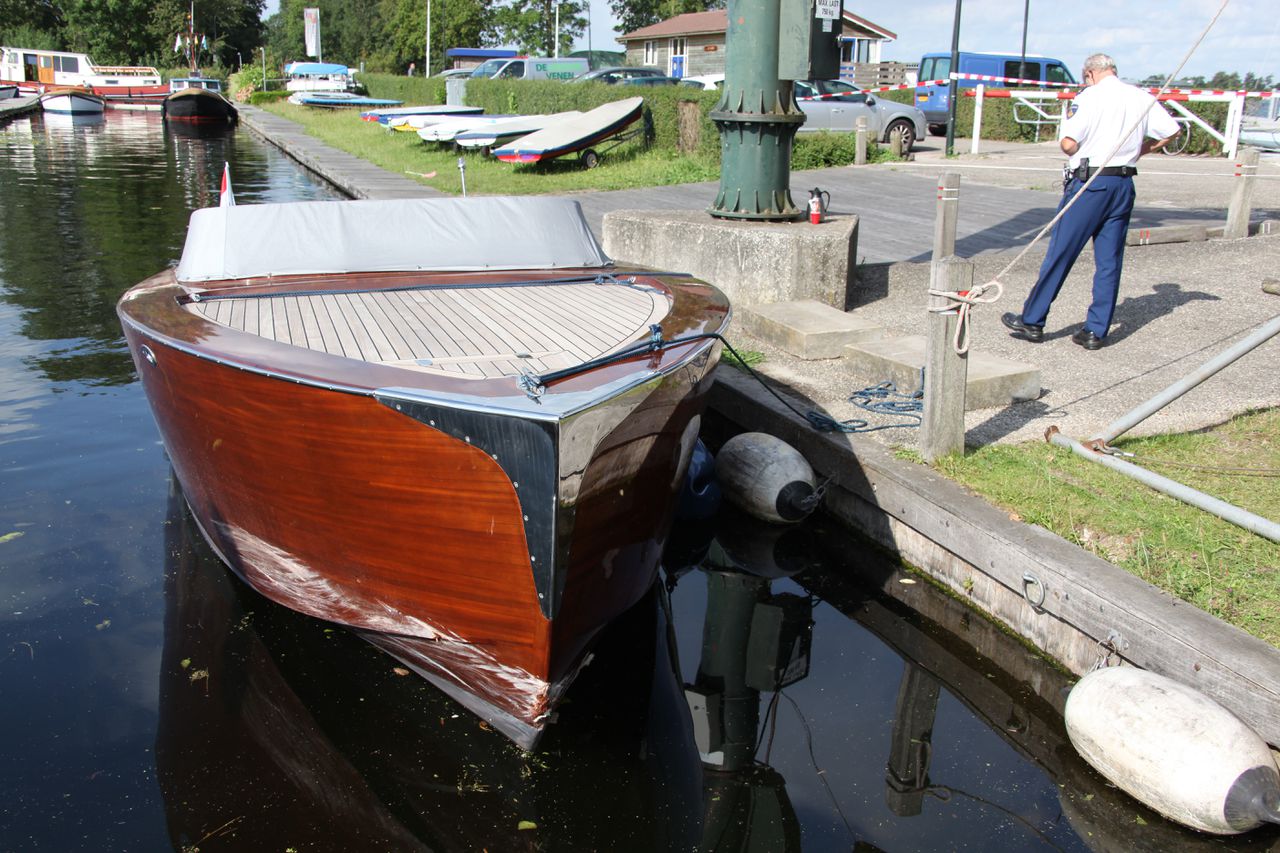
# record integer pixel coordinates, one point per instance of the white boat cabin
(177, 84)
(62, 68)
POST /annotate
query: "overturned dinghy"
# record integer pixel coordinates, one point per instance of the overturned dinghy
(450, 425)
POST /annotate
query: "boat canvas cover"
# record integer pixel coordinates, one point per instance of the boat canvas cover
(316, 69)
(324, 237)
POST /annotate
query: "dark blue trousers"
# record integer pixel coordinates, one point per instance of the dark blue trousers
(1101, 215)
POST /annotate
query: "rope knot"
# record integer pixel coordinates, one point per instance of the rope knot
(961, 302)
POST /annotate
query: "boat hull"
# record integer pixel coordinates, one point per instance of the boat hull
(199, 106)
(72, 103)
(483, 543)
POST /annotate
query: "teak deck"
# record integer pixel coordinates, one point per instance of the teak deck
(475, 332)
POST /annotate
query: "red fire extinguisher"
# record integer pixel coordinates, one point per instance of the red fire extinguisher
(818, 201)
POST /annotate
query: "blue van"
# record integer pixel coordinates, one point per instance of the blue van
(932, 100)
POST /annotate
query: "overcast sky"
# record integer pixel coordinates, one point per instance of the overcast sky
(1144, 36)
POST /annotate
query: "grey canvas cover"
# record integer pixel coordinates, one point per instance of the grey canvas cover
(320, 237)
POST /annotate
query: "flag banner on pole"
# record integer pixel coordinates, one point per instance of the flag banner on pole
(311, 30)
(225, 198)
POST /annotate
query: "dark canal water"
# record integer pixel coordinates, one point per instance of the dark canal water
(149, 701)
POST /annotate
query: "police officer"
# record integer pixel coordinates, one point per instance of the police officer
(1103, 113)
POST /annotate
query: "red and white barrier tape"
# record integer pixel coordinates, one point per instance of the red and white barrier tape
(1164, 95)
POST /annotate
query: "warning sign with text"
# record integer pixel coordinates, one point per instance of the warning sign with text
(829, 9)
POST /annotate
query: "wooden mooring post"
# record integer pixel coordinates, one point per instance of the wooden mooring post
(945, 370)
(1241, 197)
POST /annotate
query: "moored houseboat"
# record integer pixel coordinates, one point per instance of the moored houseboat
(198, 99)
(451, 425)
(37, 71)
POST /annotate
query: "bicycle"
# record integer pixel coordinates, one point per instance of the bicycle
(1180, 142)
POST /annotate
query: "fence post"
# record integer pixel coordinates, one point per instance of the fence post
(1241, 196)
(946, 215)
(860, 150)
(978, 97)
(945, 371)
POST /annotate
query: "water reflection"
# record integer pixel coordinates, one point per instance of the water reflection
(342, 750)
(91, 209)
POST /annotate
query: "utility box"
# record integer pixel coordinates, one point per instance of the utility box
(809, 39)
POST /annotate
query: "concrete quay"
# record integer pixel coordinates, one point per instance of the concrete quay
(1180, 304)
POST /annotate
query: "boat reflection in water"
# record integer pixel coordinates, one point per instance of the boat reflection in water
(278, 730)
(342, 749)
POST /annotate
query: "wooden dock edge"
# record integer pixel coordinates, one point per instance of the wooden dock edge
(1072, 605)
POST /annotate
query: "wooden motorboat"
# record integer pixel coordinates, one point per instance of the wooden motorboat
(198, 100)
(452, 425)
(74, 102)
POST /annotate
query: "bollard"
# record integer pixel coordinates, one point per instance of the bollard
(860, 155)
(1239, 209)
(946, 215)
(895, 144)
(945, 371)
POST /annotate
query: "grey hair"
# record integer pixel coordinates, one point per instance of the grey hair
(1100, 62)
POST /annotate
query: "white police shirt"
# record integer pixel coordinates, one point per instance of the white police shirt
(1103, 112)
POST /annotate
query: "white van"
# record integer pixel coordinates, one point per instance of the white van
(533, 68)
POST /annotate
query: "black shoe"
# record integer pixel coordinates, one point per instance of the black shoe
(1035, 334)
(1087, 339)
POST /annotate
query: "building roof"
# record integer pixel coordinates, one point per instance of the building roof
(863, 23)
(717, 21)
(690, 23)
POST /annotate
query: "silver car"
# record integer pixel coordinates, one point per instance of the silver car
(836, 105)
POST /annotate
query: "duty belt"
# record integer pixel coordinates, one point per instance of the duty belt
(1114, 171)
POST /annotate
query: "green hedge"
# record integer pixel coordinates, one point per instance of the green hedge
(999, 124)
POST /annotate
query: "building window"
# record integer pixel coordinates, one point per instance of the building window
(651, 53)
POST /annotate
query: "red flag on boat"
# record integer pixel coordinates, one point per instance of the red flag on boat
(225, 198)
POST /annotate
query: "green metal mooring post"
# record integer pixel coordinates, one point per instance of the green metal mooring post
(757, 117)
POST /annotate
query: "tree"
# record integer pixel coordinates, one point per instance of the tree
(454, 23)
(531, 24)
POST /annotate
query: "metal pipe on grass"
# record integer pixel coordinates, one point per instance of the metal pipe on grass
(1128, 421)
(1228, 512)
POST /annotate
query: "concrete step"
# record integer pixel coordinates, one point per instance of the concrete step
(807, 328)
(993, 381)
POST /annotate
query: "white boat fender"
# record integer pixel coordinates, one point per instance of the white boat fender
(766, 477)
(1174, 749)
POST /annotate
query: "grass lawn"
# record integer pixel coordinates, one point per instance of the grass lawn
(1221, 568)
(625, 167)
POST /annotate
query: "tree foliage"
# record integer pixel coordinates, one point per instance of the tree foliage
(1229, 80)
(531, 24)
(128, 32)
(637, 14)
(383, 36)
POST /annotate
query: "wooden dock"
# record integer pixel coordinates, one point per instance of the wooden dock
(14, 107)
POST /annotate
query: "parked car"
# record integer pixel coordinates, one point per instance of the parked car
(704, 81)
(618, 74)
(453, 72)
(651, 81)
(836, 105)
